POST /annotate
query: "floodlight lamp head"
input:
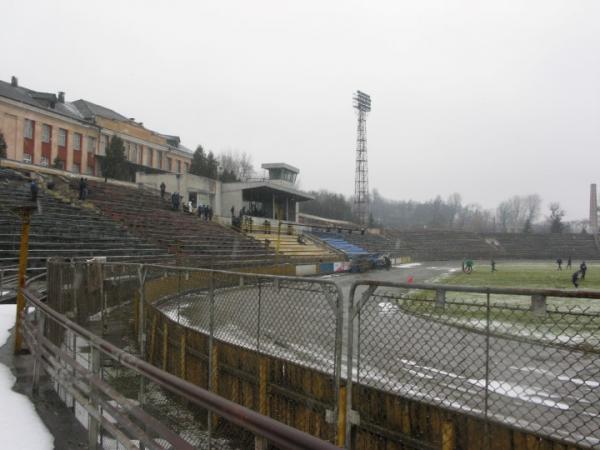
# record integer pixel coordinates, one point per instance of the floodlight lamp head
(362, 101)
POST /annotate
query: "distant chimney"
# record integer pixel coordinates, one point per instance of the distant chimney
(593, 209)
(14, 81)
(61, 97)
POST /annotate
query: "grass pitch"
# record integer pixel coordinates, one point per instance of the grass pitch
(529, 275)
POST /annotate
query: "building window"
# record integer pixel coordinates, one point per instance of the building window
(27, 158)
(44, 161)
(133, 152)
(160, 160)
(178, 166)
(169, 164)
(91, 144)
(29, 124)
(46, 131)
(149, 157)
(187, 167)
(62, 137)
(104, 140)
(76, 168)
(76, 141)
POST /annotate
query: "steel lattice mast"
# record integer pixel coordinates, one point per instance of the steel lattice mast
(362, 104)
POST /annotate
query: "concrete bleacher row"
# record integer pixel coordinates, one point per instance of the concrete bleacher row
(453, 245)
(148, 216)
(290, 240)
(59, 229)
(341, 242)
(442, 245)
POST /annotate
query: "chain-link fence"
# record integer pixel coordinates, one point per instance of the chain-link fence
(426, 366)
(269, 343)
(272, 344)
(511, 360)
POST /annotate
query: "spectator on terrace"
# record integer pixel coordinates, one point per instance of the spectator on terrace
(559, 262)
(200, 211)
(162, 190)
(569, 262)
(82, 189)
(301, 240)
(210, 213)
(34, 190)
(575, 278)
(583, 269)
(206, 207)
(232, 211)
(493, 263)
(175, 201)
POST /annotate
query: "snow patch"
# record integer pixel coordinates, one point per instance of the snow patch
(523, 393)
(407, 265)
(20, 426)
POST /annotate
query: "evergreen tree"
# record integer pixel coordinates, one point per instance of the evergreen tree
(212, 166)
(198, 166)
(114, 164)
(228, 176)
(2, 146)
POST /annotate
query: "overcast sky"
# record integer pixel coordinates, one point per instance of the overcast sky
(489, 99)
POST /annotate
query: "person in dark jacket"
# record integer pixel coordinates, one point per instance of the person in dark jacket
(162, 189)
(81, 189)
(569, 262)
(559, 263)
(34, 190)
(575, 279)
(583, 270)
(175, 200)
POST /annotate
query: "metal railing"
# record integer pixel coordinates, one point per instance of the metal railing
(526, 359)
(241, 335)
(423, 365)
(81, 370)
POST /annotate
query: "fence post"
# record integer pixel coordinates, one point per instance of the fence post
(37, 362)
(538, 304)
(93, 424)
(165, 349)
(440, 298)
(341, 426)
(260, 443)
(213, 357)
(152, 339)
(182, 353)
(141, 322)
(23, 251)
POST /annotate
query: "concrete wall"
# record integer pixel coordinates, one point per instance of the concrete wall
(229, 199)
(207, 190)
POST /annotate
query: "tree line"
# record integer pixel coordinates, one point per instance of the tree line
(229, 166)
(517, 214)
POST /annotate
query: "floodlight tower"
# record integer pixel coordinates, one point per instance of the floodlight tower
(362, 104)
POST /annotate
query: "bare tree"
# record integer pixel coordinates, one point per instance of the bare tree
(240, 164)
(518, 213)
(556, 218)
